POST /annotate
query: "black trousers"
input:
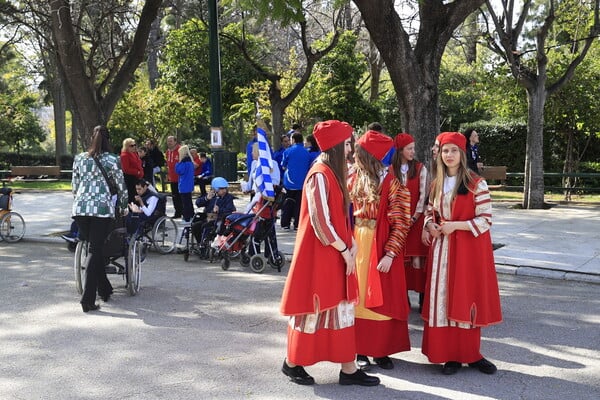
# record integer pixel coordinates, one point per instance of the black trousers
(177, 204)
(290, 208)
(94, 230)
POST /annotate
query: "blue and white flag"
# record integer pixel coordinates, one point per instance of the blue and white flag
(263, 170)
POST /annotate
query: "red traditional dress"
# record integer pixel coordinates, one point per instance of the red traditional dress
(318, 295)
(417, 186)
(462, 288)
(382, 312)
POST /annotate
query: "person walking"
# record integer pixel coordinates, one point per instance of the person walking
(131, 163)
(296, 162)
(185, 171)
(94, 207)
(321, 290)
(172, 159)
(461, 295)
(413, 175)
(381, 207)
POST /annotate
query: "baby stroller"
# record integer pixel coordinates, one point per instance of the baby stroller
(240, 229)
(264, 231)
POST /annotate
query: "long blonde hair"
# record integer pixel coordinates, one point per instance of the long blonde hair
(365, 188)
(464, 177)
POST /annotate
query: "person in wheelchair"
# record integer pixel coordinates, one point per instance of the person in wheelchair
(147, 208)
(217, 203)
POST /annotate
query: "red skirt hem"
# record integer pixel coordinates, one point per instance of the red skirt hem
(445, 344)
(381, 338)
(337, 346)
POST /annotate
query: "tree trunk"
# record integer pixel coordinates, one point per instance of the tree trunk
(59, 106)
(154, 43)
(414, 71)
(533, 193)
(569, 164)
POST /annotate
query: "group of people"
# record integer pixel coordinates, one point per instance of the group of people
(370, 230)
(106, 185)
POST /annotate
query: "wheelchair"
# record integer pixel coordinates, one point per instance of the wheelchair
(132, 248)
(160, 230)
(12, 224)
(209, 229)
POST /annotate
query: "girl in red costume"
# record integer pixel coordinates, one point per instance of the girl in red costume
(382, 220)
(462, 293)
(413, 175)
(321, 289)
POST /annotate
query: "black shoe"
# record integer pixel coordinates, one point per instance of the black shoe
(363, 362)
(484, 366)
(358, 378)
(105, 297)
(297, 374)
(89, 307)
(384, 362)
(451, 367)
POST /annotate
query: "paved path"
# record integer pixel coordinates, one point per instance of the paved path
(559, 243)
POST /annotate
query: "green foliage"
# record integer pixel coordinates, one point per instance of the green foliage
(333, 89)
(286, 12)
(19, 127)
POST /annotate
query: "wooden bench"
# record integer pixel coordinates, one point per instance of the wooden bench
(496, 173)
(33, 173)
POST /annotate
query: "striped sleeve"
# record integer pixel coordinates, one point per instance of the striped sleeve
(315, 191)
(483, 210)
(422, 190)
(399, 217)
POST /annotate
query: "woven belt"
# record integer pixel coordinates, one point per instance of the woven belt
(370, 223)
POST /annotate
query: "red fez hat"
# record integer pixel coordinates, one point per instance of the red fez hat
(402, 140)
(456, 138)
(332, 132)
(376, 144)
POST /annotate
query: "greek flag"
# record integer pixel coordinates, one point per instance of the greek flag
(263, 170)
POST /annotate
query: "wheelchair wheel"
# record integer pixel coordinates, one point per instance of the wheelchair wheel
(277, 261)
(12, 227)
(244, 259)
(258, 262)
(225, 263)
(164, 235)
(135, 258)
(80, 264)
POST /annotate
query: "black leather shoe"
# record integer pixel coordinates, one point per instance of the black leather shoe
(363, 362)
(89, 307)
(297, 374)
(484, 366)
(451, 367)
(105, 297)
(358, 378)
(384, 362)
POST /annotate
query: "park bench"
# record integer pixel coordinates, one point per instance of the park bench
(494, 173)
(33, 173)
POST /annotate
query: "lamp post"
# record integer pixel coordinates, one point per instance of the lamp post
(216, 114)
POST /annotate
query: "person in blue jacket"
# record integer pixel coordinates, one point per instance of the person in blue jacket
(206, 175)
(296, 162)
(185, 170)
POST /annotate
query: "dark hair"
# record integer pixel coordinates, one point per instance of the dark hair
(467, 134)
(296, 126)
(297, 137)
(375, 126)
(100, 143)
(335, 159)
(143, 148)
(313, 142)
(141, 182)
(203, 155)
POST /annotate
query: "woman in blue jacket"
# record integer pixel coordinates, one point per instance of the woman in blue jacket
(185, 170)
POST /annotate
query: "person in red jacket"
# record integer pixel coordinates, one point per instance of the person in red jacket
(413, 174)
(461, 295)
(321, 289)
(172, 155)
(131, 163)
(381, 207)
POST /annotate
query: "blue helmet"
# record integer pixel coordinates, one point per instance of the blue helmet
(219, 183)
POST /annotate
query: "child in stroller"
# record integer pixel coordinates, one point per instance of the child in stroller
(244, 234)
(217, 203)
